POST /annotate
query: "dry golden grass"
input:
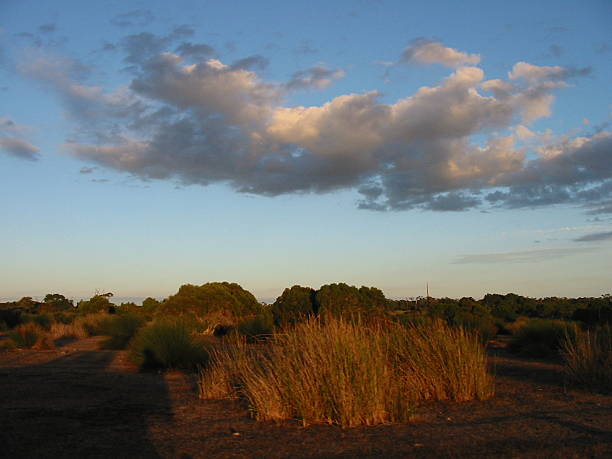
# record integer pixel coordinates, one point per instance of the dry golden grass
(588, 358)
(349, 373)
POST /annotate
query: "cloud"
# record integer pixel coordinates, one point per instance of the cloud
(12, 142)
(522, 256)
(19, 148)
(429, 51)
(87, 170)
(603, 236)
(317, 77)
(464, 143)
(47, 28)
(133, 18)
(555, 50)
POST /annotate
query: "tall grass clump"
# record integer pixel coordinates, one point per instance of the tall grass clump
(168, 343)
(542, 338)
(348, 373)
(120, 329)
(61, 330)
(29, 335)
(588, 358)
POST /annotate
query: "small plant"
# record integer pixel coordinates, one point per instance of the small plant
(26, 335)
(542, 338)
(588, 358)
(260, 326)
(168, 343)
(120, 329)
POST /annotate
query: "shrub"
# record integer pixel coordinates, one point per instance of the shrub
(542, 338)
(346, 373)
(168, 344)
(120, 329)
(26, 335)
(345, 300)
(294, 305)
(215, 303)
(42, 320)
(61, 330)
(260, 326)
(588, 358)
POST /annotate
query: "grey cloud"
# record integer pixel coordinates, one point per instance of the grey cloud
(34, 39)
(555, 50)
(604, 236)
(133, 18)
(210, 122)
(317, 77)
(199, 51)
(305, 49)
(522, 256)
(47, 28)
(19, 148)
(87, 170)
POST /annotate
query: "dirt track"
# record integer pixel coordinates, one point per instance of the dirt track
(78, 401)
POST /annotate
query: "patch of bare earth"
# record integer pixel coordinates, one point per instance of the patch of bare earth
(78, 401)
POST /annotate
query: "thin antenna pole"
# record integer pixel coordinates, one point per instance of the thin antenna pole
(427, 284)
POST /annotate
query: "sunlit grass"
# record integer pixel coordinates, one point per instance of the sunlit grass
(349, 373)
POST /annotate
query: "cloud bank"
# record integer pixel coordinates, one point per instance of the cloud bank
(188, 116)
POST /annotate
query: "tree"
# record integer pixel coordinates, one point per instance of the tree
(57, 301)
(294, 304)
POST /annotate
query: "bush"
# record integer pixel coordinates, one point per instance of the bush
(212, 304)
(168, 344)
(294, 305)
(26, 335)
(258, 327)
(120, 329)
(42, 320)
(342, 372)
(588, 358)
(542, 338)
(345, 300)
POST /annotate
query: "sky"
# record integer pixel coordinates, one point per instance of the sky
(145, 145)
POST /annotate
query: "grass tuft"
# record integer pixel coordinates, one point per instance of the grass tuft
(588, 358)
(349, 373)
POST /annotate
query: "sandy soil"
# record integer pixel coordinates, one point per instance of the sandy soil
(78, 401)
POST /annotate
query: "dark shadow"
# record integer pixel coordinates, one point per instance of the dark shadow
(75, 406)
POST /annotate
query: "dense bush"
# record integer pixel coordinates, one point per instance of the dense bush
(347, 373)
(120, 329)
(168, 343)
(97, 303)
(215, 303)
(260, 326)
(542, 338)
(294, 305)
(588, 358)
(345, 300)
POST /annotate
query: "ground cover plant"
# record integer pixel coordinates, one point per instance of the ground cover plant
(168, 343)
(349, 373)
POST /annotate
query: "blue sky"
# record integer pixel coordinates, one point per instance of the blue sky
(144, 145)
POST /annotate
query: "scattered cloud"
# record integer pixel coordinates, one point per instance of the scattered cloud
(317, 77)
(603, 236)
(464, 143)
(47, 28)
(12, 140)
(555, 51)
(87, 170)
(133, 18)
(522, 256)
(429, 51)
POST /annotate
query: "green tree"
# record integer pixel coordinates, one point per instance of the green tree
(294, 304)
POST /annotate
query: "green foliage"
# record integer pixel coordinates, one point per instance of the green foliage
(588, 358)
(120, 329)
(58, 302)
(11, 317)
(42, 320)
(168, 343)
(344, 300)
(227, 303)
(150, 305)
(294, 305)
(260, 326)
(542, 338)
(97, 303)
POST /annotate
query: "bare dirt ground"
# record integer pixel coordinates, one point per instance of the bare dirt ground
(79, 401)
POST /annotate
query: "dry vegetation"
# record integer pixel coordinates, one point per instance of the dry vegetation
(346, 373)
